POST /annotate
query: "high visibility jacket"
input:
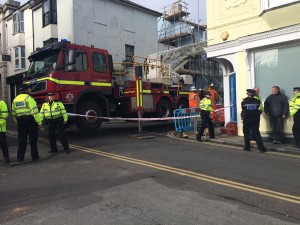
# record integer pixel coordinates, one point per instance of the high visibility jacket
(260, 108)
(3, 116)
(54, 110)
(295, 105)
(25, 105)
(206, 105)
(192, 100)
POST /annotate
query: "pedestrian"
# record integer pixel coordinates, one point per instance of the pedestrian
(257, 91)
(28, 118)
(55, 116)
(250, 115)
(295, 113)
(194, 98)
(3, 118)
(205, 106)
(276, 107)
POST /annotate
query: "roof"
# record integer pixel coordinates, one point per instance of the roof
(134, 5)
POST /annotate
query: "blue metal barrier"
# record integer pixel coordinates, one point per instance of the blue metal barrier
(185, 124)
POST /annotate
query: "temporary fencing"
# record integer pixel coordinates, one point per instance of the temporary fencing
(184, 119)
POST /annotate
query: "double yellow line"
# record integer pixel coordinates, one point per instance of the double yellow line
(191, 174)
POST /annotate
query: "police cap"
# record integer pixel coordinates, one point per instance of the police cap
(296, 88)
(51, 94)
(251, 91)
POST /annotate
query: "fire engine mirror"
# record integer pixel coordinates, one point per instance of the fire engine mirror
(70, 68)
(72, 57)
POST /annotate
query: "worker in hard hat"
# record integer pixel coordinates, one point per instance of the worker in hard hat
(194, 98)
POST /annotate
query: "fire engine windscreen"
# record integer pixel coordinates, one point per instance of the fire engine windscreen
(42, 63)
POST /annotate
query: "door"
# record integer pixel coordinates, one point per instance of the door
(232, 97)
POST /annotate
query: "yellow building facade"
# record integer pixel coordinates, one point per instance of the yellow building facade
(257, 43)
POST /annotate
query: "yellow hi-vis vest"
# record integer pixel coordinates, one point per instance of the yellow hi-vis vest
(25, 105)
(54, 110)
(295, 105)
(260, 108)
(3, 116)
(206, 105)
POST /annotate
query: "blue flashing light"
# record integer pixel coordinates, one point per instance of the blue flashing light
(64, 40)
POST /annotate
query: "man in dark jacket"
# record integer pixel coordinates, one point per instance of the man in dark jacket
(276, 107)
(251, 110)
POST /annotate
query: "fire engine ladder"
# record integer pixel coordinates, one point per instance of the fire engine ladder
(178, 57)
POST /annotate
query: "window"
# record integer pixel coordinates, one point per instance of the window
(20, 57)
(129, 52)
(81, 60)
(49, 12)
(18, 22)
(99, 62)
(268, 4)
(278, 65)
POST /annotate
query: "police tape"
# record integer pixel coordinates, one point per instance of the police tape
(133, 119)
(144, 119)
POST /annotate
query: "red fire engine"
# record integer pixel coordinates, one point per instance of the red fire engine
(82, 78)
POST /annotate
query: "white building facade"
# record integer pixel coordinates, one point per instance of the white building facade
(120, 26)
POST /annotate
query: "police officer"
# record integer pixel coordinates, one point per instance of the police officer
(56, 117)
(251, 110)
(28, 118)
(257, 91)
(295, 113)
(3, 143)
(205, 106)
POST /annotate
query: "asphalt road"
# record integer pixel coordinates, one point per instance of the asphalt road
(114, 176)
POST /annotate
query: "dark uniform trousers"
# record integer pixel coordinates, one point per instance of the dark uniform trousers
(296, 128)
(3, 144)
(27, 127)
(276, 124)
(56, 125)
(252, 123)
(206, 122)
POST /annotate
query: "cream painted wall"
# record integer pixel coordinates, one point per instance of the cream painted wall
(243, 17)
(28, 34)
(65, 22)
(242, 83)
(38, 27)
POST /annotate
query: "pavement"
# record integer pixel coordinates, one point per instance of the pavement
(238, 141)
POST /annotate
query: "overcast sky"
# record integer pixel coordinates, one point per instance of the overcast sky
(158, 5)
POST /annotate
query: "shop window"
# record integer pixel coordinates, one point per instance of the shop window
(20, 60)
(278, 66)
(49, 12)
(99, 63)
(18, 22)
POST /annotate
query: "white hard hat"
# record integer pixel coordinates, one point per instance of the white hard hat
(193, 88)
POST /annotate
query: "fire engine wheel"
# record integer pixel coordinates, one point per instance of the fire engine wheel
(91, 110)
(164, 108)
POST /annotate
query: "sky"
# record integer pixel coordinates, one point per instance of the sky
(196, 13)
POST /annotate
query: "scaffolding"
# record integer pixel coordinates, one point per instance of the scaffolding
(188, 57)
(175, 27)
